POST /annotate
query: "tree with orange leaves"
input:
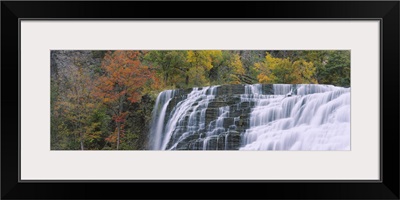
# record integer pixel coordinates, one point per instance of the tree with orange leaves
(121, 85)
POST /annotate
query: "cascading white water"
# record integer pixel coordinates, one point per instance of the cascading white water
(185, 109)
(317, 117)
(159, 111)
(216, 127)
(292, 117)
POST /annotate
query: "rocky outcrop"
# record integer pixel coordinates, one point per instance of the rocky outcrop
(62, 59)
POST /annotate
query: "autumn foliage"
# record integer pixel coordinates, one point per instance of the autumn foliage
(121, 85)
(283, 70)
(103, 100)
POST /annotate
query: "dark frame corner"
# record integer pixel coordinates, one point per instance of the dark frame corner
(385, 11)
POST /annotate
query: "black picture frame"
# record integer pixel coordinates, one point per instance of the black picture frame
(386, 11)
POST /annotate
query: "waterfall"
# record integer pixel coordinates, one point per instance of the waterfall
(184, 117)
(158, 117)
(317, 117)
(253, 117)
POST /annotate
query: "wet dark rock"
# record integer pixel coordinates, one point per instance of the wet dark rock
(217, 104)
(234, 123)
(230, 90)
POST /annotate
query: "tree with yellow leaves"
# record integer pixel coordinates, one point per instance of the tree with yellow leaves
(228, 69)
(283, 70)
(201, 62)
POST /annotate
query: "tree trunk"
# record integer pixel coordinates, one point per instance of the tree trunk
(118, 122)
(118, 129)
(82, 148)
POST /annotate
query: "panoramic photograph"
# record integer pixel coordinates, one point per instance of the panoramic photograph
(228, 100)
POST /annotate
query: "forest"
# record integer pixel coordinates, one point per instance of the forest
(103, 100)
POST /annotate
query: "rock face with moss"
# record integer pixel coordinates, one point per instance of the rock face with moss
(209, 118)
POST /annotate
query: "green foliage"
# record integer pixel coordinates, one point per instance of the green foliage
(227, 69)
(129, 141)
(95, 70)
(337, 69)
(248, 59)
(98, 54)
(332, 66)
(98, 129)
(171, 66)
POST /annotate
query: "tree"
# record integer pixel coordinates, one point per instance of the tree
(283, 70)
(303, 71)
(172, 66)
(227, 69)
(337, 69)
(75, 106)
(121, 85)
(319, 59)
(264, 69)
(201, 62)
(249, 57)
